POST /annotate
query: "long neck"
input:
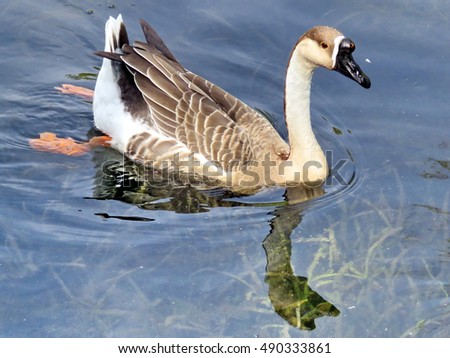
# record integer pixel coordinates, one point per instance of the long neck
(307, 158)
(303, 143)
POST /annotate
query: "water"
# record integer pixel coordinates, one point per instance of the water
(88, 250)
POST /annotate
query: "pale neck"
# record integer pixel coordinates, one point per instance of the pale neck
(302, 140)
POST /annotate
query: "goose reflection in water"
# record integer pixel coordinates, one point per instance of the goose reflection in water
(290, 295)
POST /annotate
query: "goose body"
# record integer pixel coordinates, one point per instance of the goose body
(162, 115)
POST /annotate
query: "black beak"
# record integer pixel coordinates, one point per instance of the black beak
(346, 65)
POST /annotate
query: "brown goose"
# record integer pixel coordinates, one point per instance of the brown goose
(162, 115)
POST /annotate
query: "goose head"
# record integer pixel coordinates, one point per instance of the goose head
(323, 46)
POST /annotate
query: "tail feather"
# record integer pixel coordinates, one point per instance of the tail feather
(115, 35)
(116, 97)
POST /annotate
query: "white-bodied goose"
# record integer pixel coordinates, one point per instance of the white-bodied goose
(160, 114)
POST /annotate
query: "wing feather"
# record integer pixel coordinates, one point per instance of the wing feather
(192, 111)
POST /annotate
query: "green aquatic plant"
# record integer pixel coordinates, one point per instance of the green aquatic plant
(82, 76)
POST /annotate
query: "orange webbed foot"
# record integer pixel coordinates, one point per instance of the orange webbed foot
(100, 141)
(49, 142)
(86, 93)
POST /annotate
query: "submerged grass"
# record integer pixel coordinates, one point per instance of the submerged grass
(370, 266)
(361, 256)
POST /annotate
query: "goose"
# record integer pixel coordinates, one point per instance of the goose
(160, 114)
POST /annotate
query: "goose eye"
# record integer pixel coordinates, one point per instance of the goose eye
(324, 45)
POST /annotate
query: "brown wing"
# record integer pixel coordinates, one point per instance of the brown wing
(193, 111)
(256, 125)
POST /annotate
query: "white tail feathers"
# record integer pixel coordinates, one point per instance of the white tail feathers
(112, 33)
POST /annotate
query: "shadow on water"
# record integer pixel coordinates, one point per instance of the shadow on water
(150, 189)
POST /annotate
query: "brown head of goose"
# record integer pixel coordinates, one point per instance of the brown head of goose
(160, 114)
